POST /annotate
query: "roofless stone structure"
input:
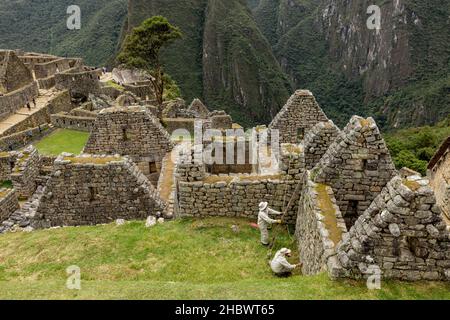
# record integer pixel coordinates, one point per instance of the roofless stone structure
(357, 166)
(89, 190)
(297, 117)
(131, 131)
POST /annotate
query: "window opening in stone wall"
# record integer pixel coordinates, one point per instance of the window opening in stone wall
(124, 134)
(352, 213)
(92, 194)
(152, 167)
(300, 134)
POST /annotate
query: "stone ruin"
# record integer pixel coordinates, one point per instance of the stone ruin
(297, 117)
(131, 131)
(356, 166)
(402, 233)
(89, 190)
(353, 212)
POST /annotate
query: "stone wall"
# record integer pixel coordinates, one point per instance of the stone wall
(402, 233)
(439, 175)
(297, 117)
(14, 75)
(144, 92)
(200, 194)
(131, 131)
(357, 166)
(81, 83)
(67, 121)
(173, 124)
(7, 164)
(317, 141)
(47, 83)
(25, 172)
(11, 102)
(89, 190)
(59, 103)
(50, 68)
(199, 108)
(8, 203)
(319, 228)
(21, 139)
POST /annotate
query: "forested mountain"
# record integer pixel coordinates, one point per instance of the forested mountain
(247, 56)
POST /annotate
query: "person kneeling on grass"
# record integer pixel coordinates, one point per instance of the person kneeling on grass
(280, 266)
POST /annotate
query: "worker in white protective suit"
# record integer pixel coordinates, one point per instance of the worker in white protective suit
(280, 266)
(264, 221)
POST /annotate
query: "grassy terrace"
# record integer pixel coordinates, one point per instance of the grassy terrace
(184, 259)
(63, 140)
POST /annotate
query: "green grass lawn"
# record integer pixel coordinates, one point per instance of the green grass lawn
(183, 259)
(63, 140)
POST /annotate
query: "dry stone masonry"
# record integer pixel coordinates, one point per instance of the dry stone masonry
(402, 233)
(357, 166)
(89, 190)
(317, 141)
(25, 172)
(8, 203)
(131, 131)
(297, 117)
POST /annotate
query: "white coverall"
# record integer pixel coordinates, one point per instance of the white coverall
(280, 265)
(264, 221)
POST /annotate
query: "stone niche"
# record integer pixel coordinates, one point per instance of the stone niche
(402, 234)
(357, 166)
(90, 190)
(297, 117)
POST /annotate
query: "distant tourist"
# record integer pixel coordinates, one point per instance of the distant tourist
(280, 266)
(28, 106)
(34, 102)
(264, 221)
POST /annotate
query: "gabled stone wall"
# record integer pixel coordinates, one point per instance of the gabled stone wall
(402, 233)
(131, 131)
(357, 166)
(317, 141)
(297, 117)
(89, 190)
(14, 75)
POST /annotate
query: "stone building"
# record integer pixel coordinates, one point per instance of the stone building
(199, 108)
(131, 131)
(17, 86)
(201, 194)
(401, 235)
(89, 190)
(439, 174)
(357, 166)
(297, 117)
(13, 72)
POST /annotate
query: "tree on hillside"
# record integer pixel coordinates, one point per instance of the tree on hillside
(142, 48)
